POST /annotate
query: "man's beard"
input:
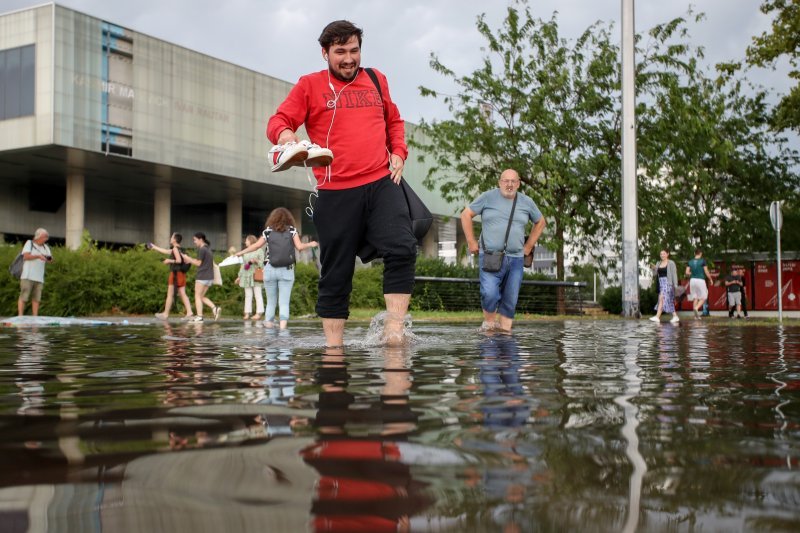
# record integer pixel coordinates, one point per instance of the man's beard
(339, 77)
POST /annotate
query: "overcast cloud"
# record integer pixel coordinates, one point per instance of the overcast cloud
(280, 38)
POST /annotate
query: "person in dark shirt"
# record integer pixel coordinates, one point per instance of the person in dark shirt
(734, 285)
(732, 308)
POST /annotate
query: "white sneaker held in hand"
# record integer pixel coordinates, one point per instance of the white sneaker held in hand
(287, 155)
(317, 155)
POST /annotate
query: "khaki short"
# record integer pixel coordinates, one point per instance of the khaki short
(734, 298)
(30, 289)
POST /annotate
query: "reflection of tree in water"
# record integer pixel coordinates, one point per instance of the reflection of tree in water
(364, 484)
(708, 430)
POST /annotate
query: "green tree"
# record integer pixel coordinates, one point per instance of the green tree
(713, 165)
(782, 41)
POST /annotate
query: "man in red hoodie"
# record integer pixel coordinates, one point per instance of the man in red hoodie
(360, 200)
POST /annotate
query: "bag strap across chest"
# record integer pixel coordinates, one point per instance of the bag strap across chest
(508, 228)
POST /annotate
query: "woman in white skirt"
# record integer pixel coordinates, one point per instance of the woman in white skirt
(252, 261)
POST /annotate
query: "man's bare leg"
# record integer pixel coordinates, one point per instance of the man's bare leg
(35, 307)
(20, 307)
(396, 309)
(488, 319)
(334, 331)
(506, 323)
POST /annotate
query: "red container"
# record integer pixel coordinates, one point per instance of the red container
(766, 285)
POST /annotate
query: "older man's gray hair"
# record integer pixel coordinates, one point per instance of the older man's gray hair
(39, 232)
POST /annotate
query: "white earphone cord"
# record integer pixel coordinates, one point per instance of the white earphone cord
(331, 104)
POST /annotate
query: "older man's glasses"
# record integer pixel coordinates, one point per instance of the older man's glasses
(509, 182)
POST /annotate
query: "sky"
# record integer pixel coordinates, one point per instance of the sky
(279, 38)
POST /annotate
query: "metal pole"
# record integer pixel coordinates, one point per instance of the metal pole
(630, 237)
(780, 280)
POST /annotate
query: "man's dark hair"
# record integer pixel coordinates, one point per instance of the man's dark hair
(339, 32)
(698, 251)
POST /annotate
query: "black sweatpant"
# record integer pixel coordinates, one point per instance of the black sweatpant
(376, 213)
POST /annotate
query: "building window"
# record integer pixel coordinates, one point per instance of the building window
(17, 90)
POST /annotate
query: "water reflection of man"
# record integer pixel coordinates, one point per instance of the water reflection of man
(505, 409)
(363, 485)
(33, 349)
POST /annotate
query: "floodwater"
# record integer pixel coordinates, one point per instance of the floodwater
(563, 426)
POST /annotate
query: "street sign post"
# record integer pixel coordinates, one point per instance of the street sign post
(776, 217)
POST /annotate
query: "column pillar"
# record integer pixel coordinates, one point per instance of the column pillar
(76, 199)
(162, 214)
(430, 242)
(234, 220)
(297, 214)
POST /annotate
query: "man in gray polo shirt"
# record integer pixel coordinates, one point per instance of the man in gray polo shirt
(500, 290)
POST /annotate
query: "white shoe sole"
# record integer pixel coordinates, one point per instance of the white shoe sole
(290, 157)
(319, 157)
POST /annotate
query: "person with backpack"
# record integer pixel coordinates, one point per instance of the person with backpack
(35, 255)
(282, 240)
(177, 275)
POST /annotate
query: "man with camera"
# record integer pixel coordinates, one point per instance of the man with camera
(504, 214)
(35, 255)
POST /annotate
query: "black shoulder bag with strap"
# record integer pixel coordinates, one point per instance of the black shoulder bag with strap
(493, 261)
(421, 217)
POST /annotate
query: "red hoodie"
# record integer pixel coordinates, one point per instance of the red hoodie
(356, 133)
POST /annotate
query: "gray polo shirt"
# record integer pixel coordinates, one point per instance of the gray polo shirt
(494, 210)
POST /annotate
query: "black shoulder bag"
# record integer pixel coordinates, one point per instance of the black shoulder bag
(421, 217)
(492, 261)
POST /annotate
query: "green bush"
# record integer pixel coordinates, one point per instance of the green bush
(611, 300)
(648, 298)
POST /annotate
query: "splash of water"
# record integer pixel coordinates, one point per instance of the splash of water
(375, 335)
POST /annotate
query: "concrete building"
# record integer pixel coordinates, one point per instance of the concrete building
(129, 137)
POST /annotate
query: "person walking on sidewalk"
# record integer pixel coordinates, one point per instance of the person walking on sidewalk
(177, 275)
(205, 276)
(666, 274)
(698, 270)
(252, 261)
